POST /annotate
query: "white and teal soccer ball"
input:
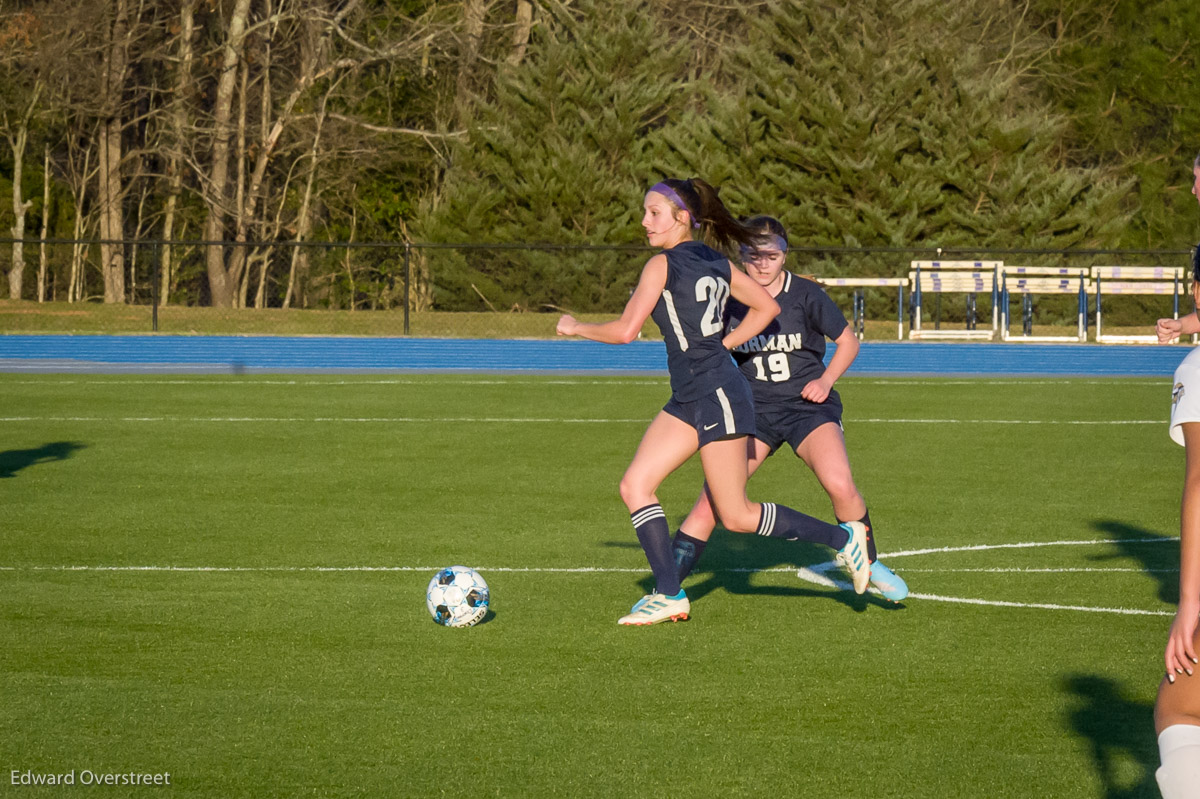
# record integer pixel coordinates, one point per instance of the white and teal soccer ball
(457, 597)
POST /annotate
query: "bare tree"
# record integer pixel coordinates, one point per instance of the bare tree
(20, 97)
(474, 13)
(522, 29)
(111, 193)
(175, 165)
(79, 170)
(42, 262)
(17, 134)
(216, 191)
(178, 112)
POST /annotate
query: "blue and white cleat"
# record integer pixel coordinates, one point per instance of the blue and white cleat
(653, 608)
(887, 582)
(853, 556)
(638, 605)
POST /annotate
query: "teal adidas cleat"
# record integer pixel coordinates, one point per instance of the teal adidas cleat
(887, 582)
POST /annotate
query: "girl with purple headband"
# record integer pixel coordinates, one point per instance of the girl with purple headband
(794, 399)
(684, 289)
(1177, 709)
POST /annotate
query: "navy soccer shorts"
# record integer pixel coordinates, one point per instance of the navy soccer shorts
(792, 423)
(727, 412)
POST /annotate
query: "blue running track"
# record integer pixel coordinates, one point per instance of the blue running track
(245, 354)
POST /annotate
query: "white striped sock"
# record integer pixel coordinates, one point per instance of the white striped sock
(643, 515)
(766, 523)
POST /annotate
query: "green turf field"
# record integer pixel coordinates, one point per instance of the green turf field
(222, 578)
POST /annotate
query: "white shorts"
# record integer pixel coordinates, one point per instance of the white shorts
(1185, 395)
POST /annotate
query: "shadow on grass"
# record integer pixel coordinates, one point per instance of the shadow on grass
(14, 460)
(1157, 552)
(1120, 732)
(731, 560)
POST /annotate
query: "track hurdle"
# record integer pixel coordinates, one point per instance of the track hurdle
(1162, 280)
(957, 277)
(1030, 280)
(858, 284)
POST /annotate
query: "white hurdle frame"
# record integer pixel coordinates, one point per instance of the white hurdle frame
(954, 277)
(858, 283)
(1144, 280)
(1029, 280)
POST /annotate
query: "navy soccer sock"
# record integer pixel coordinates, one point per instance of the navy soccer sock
(781, 521)
(687, 551)
(872, 554)
(655, 537)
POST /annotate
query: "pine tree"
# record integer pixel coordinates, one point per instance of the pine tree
(1125, 75)
(559, 156)
(895, 123)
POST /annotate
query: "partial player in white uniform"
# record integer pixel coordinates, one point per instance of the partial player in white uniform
(1177, 710)
(711, 410)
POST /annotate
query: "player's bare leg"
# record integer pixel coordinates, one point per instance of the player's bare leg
(824, 452)
(666, 445)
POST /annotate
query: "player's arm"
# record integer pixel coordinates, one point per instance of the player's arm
(762, 308)
(624, 330)
(1181, 650)
(1170, 329)
(847, 350)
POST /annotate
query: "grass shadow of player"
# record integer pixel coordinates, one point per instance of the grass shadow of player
(731, 560)
(1154, 551)
(1120, 733)
(14, 460)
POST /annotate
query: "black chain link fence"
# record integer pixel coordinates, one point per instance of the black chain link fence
(471, 290)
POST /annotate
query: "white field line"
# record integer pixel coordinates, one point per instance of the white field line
(334, 569)
(520, 420)
(1119, 381)
(325, 419)
(656, 382)
(815, 574)
(536, 569)
(653, 381)
(1042, 605)
(1067, 570)
(1026, 545)
(1009, 421)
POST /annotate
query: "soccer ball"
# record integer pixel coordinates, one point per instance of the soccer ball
(457, 597)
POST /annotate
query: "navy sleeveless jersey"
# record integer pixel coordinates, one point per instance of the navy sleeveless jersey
(790, 352)
(690, 313)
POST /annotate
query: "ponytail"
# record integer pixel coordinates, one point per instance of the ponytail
(708, 212)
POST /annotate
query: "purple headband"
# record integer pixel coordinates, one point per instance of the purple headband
(670, 194)
(768, 242)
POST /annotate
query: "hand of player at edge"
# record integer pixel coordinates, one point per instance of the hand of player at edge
(1180, 657)
(1168, 330)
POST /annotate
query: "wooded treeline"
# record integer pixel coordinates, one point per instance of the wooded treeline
(1048, 124)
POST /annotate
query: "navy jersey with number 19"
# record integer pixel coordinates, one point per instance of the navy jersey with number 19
(780, 361)
(690, 313)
